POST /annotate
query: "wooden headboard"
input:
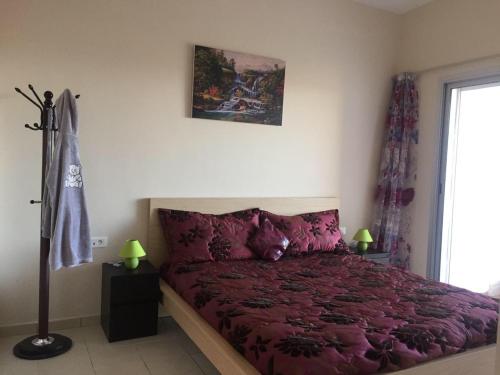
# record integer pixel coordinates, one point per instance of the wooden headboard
(156, 247)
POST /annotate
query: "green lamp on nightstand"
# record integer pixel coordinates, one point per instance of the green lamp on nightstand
(131, 252)
(363, 237)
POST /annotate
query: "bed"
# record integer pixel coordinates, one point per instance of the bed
(364, 295)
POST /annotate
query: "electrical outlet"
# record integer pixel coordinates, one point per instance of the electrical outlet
(343, 230)
(99, 241)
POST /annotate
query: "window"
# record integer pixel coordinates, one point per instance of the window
(467, 252)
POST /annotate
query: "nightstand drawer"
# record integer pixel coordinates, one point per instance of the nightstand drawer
(140, 288)
(130, 321)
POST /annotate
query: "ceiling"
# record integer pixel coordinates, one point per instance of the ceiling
(395, 6)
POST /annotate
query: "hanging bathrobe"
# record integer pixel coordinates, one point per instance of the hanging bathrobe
(65, 220)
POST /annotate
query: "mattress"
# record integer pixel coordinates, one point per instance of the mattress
(333, 314)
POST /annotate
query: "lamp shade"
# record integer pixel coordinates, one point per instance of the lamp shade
(132, 249)
(363, 235)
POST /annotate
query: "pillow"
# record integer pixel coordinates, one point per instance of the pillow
(196, 237)
(268, 242)
(316, 231)
(342, 248)
(231, 234)
(187, 234)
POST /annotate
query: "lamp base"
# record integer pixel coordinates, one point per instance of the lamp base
(362, 247)
(131, 263)
(35, 348)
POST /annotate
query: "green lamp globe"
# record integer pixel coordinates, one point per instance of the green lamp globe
(131, 252)
(363, 237)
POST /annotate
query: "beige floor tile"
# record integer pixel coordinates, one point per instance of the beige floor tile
(75, 368)
(64, 324)
(171, 352)
(93, 335)
(168, 349)
(19, 367)
(169, 368)
(7, 343)
(196, 372)
(167, 359)
(108, 355)
(206, 366)
(123, 368)
(90, 321)
(75, 361)
(6, 353)
(187, 344)
(75, 334)
(142, 340)
(10, 364)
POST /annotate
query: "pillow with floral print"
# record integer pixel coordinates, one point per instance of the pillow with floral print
(268, 242)
(309, 232)
(196, 237)
(231, 233)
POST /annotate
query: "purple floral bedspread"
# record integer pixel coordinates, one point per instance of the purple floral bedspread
(333, 314)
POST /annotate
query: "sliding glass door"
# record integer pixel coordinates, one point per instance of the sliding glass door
(467, 241)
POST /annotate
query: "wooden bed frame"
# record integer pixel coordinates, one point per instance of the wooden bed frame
(224, 357)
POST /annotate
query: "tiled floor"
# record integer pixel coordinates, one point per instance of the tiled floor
(170, 352)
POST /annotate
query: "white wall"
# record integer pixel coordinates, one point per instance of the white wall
(446, 34)
(131, 62)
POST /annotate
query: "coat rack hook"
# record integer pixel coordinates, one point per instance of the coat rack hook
(34, 127)
(27, 97)
(34, 92)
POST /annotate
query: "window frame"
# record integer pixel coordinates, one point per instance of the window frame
(436, 231)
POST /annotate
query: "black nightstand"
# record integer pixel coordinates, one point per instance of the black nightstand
(129, 304)
(382, 258)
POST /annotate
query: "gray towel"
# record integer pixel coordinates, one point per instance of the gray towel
(68, 227)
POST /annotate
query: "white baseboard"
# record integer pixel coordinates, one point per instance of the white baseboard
(57, 324)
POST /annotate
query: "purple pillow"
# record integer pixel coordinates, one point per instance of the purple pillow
(268, 242)
(315, 231)
(342, 248)
(196, 237)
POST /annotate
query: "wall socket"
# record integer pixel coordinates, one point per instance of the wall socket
(99, 241)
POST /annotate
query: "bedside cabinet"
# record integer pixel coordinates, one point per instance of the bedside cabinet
(129, 304)
(382, 258)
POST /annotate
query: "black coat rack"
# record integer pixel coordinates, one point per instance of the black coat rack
(43, 345)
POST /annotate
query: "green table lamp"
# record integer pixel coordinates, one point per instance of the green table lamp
(363, 237)
(131, 252)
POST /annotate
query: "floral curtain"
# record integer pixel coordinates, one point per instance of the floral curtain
(397, 174)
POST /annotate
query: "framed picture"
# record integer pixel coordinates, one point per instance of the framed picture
(234, 86)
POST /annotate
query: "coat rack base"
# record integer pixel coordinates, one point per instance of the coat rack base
(33, 348)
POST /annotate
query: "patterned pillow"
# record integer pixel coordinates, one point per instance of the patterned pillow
(315, 231)
(342, 248)
(268, 242)
(196, 237)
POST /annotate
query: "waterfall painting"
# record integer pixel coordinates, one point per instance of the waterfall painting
(233, 86)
